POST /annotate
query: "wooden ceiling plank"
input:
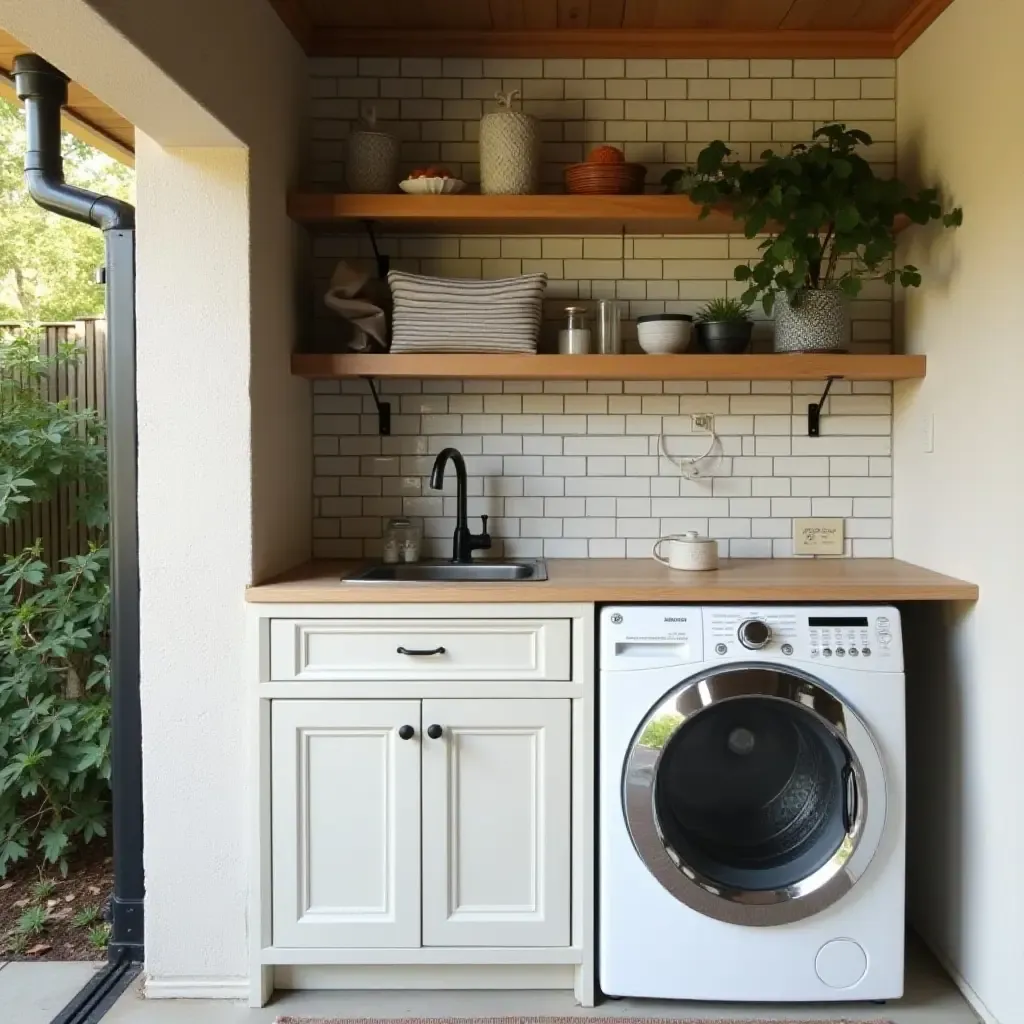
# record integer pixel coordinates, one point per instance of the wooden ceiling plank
(722, 15)
(915, 21)
(507, 14)
(639, 13)
(607, 13)
(344, 42)
(817, 14)
(541, 14)
(573, 14)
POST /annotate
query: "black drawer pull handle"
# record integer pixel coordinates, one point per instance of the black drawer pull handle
(421, 654)
(406, 732)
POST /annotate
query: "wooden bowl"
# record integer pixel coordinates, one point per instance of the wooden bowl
(605, 179)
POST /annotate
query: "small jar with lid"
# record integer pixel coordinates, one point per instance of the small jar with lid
(574, 337)
(401, 541)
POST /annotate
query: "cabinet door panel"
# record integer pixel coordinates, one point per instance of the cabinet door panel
(496, 823)
(346, 828)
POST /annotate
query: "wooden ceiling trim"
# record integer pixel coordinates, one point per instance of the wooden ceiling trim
(916, 20)
(347, 42)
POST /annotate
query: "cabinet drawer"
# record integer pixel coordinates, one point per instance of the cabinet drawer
(359, 649)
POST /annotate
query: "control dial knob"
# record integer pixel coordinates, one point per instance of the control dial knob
(755, 634)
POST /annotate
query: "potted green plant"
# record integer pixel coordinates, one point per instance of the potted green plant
(723, 326)
(830, 222)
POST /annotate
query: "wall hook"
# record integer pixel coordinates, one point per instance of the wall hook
(383, 410)
(814, 409)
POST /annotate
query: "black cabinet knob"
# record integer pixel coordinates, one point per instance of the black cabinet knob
(434, 732)
(406, 732)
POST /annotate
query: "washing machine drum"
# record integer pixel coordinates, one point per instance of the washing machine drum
(742, 787)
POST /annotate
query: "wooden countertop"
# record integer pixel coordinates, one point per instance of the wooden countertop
(602, 580)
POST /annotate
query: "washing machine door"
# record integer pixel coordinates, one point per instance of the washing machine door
(754, 794)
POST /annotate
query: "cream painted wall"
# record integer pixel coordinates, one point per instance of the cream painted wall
(958, 508)
(223, 428)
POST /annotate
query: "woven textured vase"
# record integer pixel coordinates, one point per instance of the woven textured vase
(819, 324)
(371, 162)
(509, 150)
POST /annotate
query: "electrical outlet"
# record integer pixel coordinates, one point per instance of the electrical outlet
(702, 421)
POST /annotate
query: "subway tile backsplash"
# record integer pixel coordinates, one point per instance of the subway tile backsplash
(572, 468)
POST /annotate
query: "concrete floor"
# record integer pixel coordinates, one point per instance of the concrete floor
(931, 999)
(36, 993)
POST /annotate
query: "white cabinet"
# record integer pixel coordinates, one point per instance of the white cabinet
(345, 823)
(495, 816)
(480, 811)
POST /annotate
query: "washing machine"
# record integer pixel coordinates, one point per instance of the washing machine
(751, 803)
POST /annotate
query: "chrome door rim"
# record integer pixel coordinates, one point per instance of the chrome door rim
(761, 907)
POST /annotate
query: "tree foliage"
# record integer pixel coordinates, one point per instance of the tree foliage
(54, 624)
(48, 263)
(830, 220)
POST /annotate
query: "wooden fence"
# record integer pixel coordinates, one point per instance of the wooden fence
(85, 383)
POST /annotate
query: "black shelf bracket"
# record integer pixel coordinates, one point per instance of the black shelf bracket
(383, 410)
(814, 409)
(383, 260)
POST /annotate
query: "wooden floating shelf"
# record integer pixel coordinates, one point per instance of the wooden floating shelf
(519, 215)
(472, 214)
(802, 366)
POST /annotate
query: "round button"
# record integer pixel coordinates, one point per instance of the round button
(840, 652)
(841, 963)
(827, 652)
(721, 649)
(787, 648)
(853, 652)
(866, 652)
(814, 652)
(755, 634)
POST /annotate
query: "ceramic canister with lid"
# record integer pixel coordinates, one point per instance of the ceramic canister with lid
(371, 158)
(509, 149)
(687, 551)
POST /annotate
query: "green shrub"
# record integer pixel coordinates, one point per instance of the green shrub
(54, 623)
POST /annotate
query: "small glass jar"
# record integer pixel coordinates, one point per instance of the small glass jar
(609, 327)
(574, 337)
(401, 541)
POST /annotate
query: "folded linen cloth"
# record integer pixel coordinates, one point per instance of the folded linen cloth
(362, 301)
(434, 314)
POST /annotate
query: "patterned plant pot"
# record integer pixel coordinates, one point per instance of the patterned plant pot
(819, 324)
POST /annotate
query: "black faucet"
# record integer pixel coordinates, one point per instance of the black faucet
(464, 543)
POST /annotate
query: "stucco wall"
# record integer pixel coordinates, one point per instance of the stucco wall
(224, 454)
(957, 509)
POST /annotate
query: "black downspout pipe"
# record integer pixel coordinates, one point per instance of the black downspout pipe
(44, 90)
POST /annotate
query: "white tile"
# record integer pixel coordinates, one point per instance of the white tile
(809, 486)
(564, 507)
(589, 526)
(564, 465)
(770, 486)
(544, 485)
(606, 547)
(801, 466)
(791, 507)
(618, 487)
(744, 548)
(872, 548)
(566, 548)
(837, 507)
(861, 487)
(868, 507)
(544, 527)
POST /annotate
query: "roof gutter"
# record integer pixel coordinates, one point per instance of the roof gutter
(44, 91)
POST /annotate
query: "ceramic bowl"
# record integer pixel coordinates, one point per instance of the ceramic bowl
(662, 333)
(432, 186)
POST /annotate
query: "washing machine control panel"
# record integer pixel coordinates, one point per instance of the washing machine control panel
(856, 637)
(649, 636)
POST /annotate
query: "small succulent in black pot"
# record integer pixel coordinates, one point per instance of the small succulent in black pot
(723, 327)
